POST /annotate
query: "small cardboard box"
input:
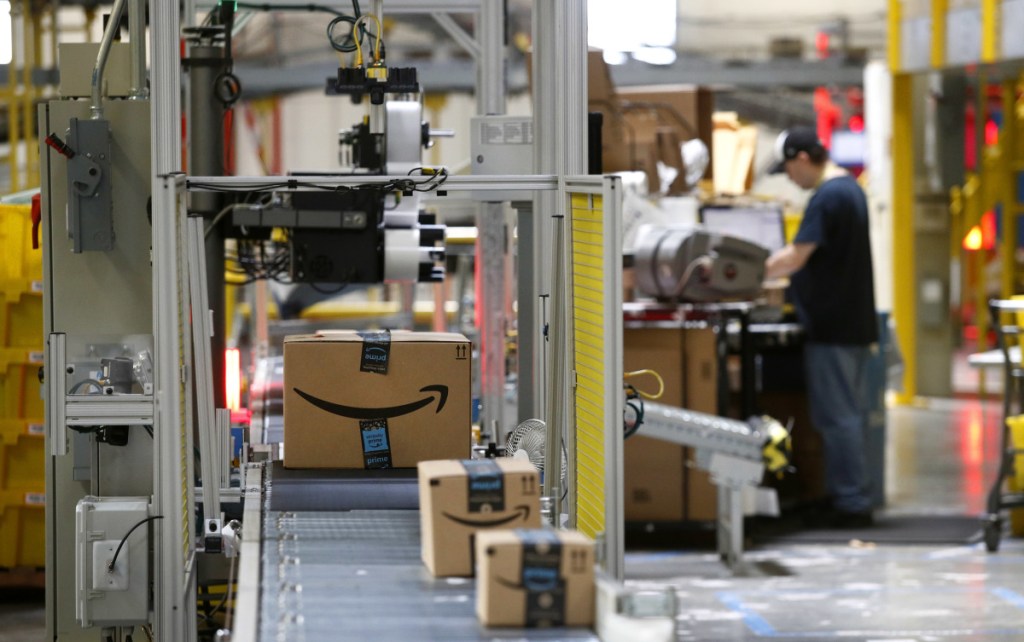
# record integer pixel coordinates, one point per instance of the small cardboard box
(460, 498)
(535, 578)
(376, 399)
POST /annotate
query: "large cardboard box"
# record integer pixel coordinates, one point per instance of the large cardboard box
(535, 578)
(660, 482)
(654, 470)
(458, 499)
(685, 110)
(376, 400)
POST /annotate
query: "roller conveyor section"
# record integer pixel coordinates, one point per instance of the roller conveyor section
(700, 430)
(354, 574)
(735, 453)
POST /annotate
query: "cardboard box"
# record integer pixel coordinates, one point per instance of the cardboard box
(535, 578)
(660, 482)
(458, 499)
(366, 400)
(654, 470)
(691, 104)
(701, 350)
(645, 125)
(599, 79)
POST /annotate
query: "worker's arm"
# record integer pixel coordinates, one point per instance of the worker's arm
(788, 260)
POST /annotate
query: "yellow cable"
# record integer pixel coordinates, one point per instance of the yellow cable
(355, 36)
(645, 395)
(359, 49)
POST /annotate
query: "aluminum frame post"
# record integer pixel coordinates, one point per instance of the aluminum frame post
(56, 383)
(545, 205)
(490, 222)
(171, 429)
(530, 276)
(560, 44)
(171, 610)
(202, 346)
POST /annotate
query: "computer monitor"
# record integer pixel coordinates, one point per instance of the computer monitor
(764, 225)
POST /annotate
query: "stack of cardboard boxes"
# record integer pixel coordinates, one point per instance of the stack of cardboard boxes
(483, 516)
(645, 125)
(365, 400)
(659, 483)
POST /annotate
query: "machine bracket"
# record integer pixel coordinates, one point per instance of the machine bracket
(91, 223)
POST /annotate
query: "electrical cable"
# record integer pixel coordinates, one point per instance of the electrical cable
(635, 403)
(208, 616)
(355, 36)
(704, 261)
(216, 219)
(113, 560)
(351, 41)
(647, 371)
(85, 382)
(431, 183)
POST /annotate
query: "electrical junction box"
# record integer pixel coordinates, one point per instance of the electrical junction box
(115, 595)
(501, 146)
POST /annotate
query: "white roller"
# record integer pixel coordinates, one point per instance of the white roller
(406, 214)
(404, 145)
(401, 255)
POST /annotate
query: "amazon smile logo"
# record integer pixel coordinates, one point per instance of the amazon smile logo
(521, 512)
(390, 412)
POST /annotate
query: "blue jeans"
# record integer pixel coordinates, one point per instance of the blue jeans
(837, 393)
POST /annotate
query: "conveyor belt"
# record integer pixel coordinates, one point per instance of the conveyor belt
(333, 490)
(357, 575)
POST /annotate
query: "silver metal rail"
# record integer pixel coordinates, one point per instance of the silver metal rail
(538, 182)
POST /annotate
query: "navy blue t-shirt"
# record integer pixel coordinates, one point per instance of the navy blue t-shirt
(835, 290)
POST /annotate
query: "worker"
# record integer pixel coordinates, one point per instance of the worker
(832, 283)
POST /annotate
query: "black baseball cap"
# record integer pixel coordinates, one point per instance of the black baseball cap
(793, 141)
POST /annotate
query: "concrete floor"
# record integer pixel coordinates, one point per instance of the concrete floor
(940, 461)
(22, 618)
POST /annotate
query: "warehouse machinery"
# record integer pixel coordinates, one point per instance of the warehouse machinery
(137, 480)
(141, 513)
(697, 264)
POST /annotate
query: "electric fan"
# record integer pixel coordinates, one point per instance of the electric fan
(527, 441)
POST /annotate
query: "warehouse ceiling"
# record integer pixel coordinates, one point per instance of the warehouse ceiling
(290, 51)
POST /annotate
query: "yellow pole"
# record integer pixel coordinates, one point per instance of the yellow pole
(895, 19)
(1008, 195)
(904, 291)
(938, 52)
(989, 30)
